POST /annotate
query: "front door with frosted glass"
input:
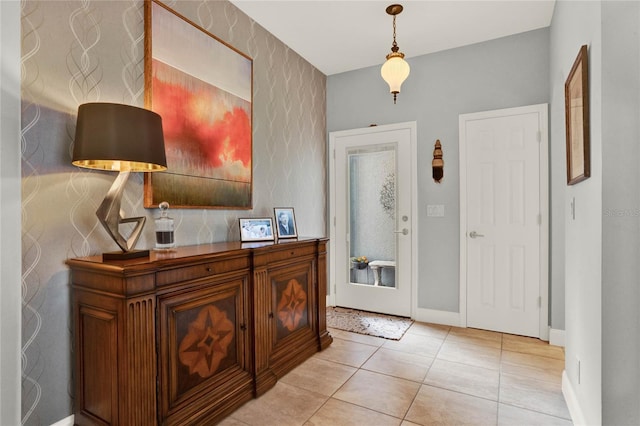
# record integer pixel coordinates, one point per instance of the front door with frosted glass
(371, 192)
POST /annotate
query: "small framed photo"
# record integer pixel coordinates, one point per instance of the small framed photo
(256, 229)
(286, 222)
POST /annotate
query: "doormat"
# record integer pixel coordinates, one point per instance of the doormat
(370, 323)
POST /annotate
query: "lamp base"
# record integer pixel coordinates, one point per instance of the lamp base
(125, 255)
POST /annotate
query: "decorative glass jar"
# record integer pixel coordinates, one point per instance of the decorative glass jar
(164, 229)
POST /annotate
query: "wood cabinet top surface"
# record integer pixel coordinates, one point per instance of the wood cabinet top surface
(168, 258)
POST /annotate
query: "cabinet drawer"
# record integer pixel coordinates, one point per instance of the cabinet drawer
(293, 252)
(200, 270)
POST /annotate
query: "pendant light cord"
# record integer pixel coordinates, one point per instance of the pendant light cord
(394, 46)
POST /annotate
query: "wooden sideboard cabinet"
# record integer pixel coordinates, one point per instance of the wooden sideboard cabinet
(187, 336)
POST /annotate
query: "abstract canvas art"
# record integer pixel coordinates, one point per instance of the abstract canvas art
(202, 89)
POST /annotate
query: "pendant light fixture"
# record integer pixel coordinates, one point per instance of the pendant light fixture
(395, 70)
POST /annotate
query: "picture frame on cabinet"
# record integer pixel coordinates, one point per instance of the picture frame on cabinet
(576, 92)
(202, 87)
(286, 222)
(256, 229)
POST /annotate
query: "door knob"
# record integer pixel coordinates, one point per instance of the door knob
(404, 231)
(474, 234)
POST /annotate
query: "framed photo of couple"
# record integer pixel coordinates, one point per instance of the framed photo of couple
(285, 222)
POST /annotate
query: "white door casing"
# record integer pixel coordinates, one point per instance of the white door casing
(504, 220)
(399, 300)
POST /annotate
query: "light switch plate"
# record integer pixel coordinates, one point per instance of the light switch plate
(435, 210)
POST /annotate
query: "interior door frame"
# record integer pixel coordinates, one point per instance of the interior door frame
(412, 126)
(543, 139)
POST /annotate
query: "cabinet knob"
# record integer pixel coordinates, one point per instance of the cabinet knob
(243, 327)
(270, 314)
(208, 268)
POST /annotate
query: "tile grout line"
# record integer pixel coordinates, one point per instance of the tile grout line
(351, 376)
(357, 369)
(404, 417)
(421, 384)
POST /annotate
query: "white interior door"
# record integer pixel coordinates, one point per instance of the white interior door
(371, 191)
(503, 232)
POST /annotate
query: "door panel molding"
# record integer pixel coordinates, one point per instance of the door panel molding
(542, 111)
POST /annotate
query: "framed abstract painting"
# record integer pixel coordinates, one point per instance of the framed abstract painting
(202, 89)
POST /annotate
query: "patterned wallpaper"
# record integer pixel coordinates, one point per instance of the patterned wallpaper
(91, 50)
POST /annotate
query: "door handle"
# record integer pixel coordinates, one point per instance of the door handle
(404, 231)
(474, 234)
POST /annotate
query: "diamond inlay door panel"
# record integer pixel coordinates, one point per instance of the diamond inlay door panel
(203, 343)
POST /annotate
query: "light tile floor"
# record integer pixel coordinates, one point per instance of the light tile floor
(433, 375)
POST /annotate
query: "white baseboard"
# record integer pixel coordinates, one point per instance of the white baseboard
(437, 317)
(556, 337)
(68, 421)
(577, 417)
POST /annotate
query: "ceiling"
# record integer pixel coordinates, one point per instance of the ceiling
(339, 36)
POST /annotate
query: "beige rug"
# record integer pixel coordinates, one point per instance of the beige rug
(362, 322)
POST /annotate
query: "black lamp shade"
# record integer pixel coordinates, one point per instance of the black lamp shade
(119, 137)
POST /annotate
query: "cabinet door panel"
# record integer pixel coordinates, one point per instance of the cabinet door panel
(203, 342)
(98, 385)
(292, 292)
(294, 325)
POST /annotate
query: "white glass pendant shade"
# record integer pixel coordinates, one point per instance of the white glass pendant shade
(395, 71)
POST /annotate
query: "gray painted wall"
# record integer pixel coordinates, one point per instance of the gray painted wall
(575, 24)
(602, 243)
(10, 306)
(507, 72)
(621, 213)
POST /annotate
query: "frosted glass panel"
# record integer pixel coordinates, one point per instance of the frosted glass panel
(372, 215)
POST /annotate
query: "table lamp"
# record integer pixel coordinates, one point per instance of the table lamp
(125, 139)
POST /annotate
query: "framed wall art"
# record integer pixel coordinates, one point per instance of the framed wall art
(576, 94)
(202, 89)
(286, 222)
(256, 229)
